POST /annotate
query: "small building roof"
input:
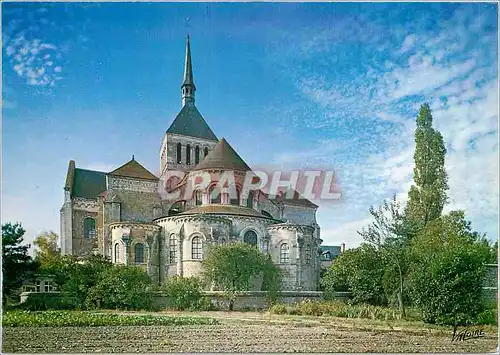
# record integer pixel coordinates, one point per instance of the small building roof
(223, 156)
(189, 122)
(134, 170)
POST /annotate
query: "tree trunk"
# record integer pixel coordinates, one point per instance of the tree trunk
(400, 294)
(231, 305)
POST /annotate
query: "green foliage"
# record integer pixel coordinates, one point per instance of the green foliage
(186, 292)
(340, 309)
(81, 277)
(447, 280)
(272, 280)
(88, 319)
(17, 265)
(46, 301)
(121, 287)
(428, 195)
(46, 246)
(233, 267)
(360, 271)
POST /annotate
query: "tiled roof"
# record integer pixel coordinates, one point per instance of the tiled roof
(224, 209)
(223, 156)
(189, 122)
(134, 170)
(88, 183)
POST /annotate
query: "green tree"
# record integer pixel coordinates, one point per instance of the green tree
(447, 284)
(360, 271)
(17, 265)
(121, 287)
(391, 233)
(233, 267)
(46, 246)
(79, 278)
(428, 195)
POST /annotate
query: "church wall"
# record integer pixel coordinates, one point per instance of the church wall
(137, 206)
(83, 246)
(300, 214)
(268, 206)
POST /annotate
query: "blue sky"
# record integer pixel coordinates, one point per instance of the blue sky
(331, 85)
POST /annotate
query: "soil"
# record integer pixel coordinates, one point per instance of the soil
(254, 333)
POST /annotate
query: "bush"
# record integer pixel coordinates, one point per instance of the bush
(121, 287)
(340, 309)
(185, 293)
(488, 317)
(87, 319)
(448, 288)
(46, 301)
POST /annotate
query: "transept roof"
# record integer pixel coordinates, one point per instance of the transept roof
(134, 170)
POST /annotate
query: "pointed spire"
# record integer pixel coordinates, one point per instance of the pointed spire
(188, 88)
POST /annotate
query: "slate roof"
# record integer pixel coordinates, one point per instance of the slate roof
(88, 183)
(190, 122)
(297, 200)
(224, 209)
(333, 250)
(134, 170)
(223, 156)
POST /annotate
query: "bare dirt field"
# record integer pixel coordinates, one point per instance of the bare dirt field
(250, 332)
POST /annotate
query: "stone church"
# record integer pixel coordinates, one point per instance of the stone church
(124, 214)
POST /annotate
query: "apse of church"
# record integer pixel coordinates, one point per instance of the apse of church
(126, 216)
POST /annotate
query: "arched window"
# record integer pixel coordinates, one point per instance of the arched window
(196, 155)
(89, 230)
(179, 153)
(197, 197)
(206, 151)
(117, 253)
(139, 253)
(284, 254)
(172, 246)
(234, 200)
(188, 154)
(250, 200)
(215, 195)
(196, 248)
(307, 254)
(250, 237)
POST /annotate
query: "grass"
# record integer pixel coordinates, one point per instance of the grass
(89, 319)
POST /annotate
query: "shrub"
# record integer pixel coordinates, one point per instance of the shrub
(185, 293)
(87, 319)
(121, 287)
(340, 309)
(488, 317)
(46, 301)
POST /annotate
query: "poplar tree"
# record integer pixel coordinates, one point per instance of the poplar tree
(428, 194)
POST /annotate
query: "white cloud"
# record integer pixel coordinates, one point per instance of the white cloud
(407, 43)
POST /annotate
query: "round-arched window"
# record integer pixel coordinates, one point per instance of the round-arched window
(89, 228)
(250, 237)
(139, 253)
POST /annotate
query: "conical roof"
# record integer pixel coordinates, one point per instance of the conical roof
(189, 122)
(134, 170)
(223, 156)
